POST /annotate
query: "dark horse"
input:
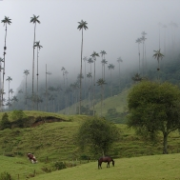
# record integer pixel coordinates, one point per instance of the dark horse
(106, 159)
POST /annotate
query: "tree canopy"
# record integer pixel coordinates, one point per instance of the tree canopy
(154, 108)
(98, 135)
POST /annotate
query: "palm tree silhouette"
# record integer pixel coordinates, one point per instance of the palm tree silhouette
(9, 79)
(158, 55)
(85, 60)
(38, 46)
(103, 53)
(111, 67)
(94, 55)
(139, 42)
(47, 73)
(101, 83)
(104, 62)
(82, 25)
(1, 88)
(34, 20)
(63, 71)
(143, 38)
(6, 21)
(119, 60)
(26, 72)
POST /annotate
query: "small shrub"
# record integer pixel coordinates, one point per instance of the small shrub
(46, 169)
(59, 165)
(5, 123)
(5, 176)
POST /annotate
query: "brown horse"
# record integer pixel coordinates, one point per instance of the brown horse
(106, 159)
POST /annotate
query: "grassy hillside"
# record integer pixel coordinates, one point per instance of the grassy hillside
(51, 141)
(118, 101)
(137, 168)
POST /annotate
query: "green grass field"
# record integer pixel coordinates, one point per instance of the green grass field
(137, 168)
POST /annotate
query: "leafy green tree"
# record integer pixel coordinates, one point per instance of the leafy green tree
(5, 123)
(154, 108)
(82, 25)
(98, 135)
(34, 20)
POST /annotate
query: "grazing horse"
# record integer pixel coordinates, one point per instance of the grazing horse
(32, 158)
(106, 159)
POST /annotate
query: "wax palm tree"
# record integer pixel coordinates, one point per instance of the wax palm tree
(158, 55)
(6, 21)
(82, 25)
(119, 60)
(139, 42)
(101, 83)
(94, 55)
(1, 88)
(111, 67)
(143, 38)
(26, 72)
(34, 20)
(103, 53)
(38, 46)
(47, 73)
(9, 79)
(63, 71)
(104, 62)
(10, 92)
(85, 60)
(136, 77)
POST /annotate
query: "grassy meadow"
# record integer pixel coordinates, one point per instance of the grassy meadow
(154, 167)
(52, 142)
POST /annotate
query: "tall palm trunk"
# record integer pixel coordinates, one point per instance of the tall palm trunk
(37, 97)
(94, 85)
(4, 54)
(80, 92)
(33, 65)
(26, 91)
(139, 57)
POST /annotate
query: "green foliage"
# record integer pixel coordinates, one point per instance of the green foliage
(97, 134)
(5, 176)
(59, 165)
(114, 116)
(5, 123)
(19, 118)
(154, 108)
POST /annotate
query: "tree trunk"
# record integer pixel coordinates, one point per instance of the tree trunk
(165, 135)
(33, 66)
(81, 75)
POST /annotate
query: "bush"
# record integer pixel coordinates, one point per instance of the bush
(59, 165)
(5, 123)
(5, 176)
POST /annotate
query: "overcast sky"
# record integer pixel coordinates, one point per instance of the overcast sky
(113, 26)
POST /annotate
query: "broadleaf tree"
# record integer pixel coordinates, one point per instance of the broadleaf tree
(154, 109)
(97, 134)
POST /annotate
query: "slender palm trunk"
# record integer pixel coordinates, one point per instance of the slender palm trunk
(26, 91)
(46, 89)
(119, 77)
(33, 66)
(139, 57)
(94, 85)
(4, 62)
(80, 92)
(37, 97)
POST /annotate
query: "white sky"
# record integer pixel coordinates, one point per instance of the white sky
(113, 26)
